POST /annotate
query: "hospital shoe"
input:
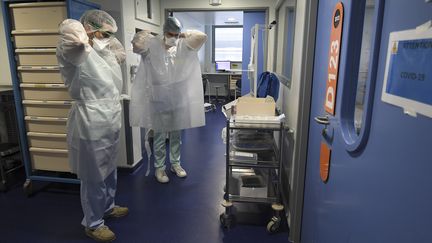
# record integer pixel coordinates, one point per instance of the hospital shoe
(117, 212)
(178, 170)
(161, 175)
(101, 233)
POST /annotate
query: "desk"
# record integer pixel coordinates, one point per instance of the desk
(225, 79)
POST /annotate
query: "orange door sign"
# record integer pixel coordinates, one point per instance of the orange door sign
(333, 63)
(331, 83)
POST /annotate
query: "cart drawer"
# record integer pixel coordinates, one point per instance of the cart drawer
(33, 39)
(46, 108)
(40, 15)
(45, 75)
(47, 140)
(45, 124)
(50, 159)
(44, 92)
(38, 57)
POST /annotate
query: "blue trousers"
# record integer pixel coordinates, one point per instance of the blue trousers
(159, 145)
(97, 199)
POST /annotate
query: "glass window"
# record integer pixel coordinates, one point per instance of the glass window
(360, 73)
(364, 65)
(289, 42)
(227, 43)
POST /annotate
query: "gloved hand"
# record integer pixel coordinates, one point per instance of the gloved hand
(73, 44)
(72, 33)
(194, 39)
(140, 41)
(124, 97)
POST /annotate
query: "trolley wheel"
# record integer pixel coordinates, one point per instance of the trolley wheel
(273, 225)
(226, 220)
(28, 188)
(3, 186)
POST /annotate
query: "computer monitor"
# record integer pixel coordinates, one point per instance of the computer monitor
(223, 65)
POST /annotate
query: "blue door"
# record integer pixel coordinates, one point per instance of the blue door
(379, 183)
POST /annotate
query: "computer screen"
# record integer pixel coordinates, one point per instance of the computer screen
(223, 65)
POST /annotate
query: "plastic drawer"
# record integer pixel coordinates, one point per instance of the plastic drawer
(46, 124)
(41, 15)
(50, 159)
(36, 38)
(44, 92)
(37, 57)
(47, 140)
(46, 108)
(44, 75)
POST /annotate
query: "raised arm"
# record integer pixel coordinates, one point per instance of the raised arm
(194, 39)
(141, 42)
(73, 45)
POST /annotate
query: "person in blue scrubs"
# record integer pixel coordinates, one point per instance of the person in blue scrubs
(167, 94)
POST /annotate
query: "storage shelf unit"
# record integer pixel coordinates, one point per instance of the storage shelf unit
(41, 98)
(253, 168)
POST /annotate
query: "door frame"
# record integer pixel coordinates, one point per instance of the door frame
(302, 136)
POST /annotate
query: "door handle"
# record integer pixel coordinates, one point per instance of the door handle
(323, 120)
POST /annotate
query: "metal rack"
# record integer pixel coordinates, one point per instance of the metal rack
(253, 168)
(41, 100)
(9, 151)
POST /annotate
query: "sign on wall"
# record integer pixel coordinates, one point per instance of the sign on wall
(408, 74)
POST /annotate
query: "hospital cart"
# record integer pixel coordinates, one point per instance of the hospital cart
(41, 99)
(253, 167)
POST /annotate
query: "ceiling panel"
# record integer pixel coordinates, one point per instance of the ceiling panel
(211, 17)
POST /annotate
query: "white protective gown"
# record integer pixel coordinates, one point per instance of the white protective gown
(95, 117)
(113, 55)
(167, 94)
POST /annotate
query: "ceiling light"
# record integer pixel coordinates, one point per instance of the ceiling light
(215, 2)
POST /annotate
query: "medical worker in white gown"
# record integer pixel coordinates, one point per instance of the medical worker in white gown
(167, 94)
(89, 58)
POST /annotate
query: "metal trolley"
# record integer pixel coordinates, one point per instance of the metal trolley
(253, 168)
(40, 95)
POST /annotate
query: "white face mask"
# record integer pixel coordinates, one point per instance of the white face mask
(171, 41)
(100, 44)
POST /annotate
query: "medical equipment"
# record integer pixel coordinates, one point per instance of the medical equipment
(253, 168)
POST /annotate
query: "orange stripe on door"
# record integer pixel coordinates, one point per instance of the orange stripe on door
(331, 84)
(325, 154)
(333, 63)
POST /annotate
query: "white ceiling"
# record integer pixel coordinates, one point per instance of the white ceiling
(212, 17)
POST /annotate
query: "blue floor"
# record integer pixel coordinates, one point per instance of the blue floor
(184, 210)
